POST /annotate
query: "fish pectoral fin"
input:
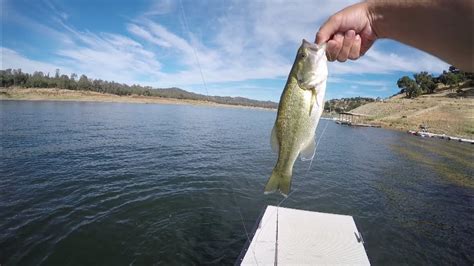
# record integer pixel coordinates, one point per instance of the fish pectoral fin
(313, 99)
(274, 140)
(308, 152)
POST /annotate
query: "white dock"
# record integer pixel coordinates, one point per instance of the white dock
(304, 237)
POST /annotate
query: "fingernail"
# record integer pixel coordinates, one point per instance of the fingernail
(350, 33)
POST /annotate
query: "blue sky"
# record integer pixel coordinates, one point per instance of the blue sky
(244, 48)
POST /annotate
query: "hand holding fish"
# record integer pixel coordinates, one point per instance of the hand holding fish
(441, 28)
(348, 33)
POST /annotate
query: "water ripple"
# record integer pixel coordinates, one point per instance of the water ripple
(111, 183)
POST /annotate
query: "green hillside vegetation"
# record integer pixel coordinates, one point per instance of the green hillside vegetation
(425, 83)
(38, 79)
(346, 104)
(443, 104)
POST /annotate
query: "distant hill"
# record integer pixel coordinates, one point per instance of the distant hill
(346, 104)
(177, 93)
(38, 79)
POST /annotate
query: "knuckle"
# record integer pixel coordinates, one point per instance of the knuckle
(339, 37)
(337, 18)
(348, 42)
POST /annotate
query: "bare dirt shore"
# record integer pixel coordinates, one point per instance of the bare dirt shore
(442, 113)
(39, 94)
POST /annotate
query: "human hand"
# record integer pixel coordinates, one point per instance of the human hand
(348, 33)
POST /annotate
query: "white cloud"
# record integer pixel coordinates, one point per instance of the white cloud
(376, 83)
(11, 59)
(249, 40)
(161, 7)
(63, 15)
(376, 61)
(147, 36)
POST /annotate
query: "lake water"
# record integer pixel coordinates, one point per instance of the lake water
(120, 184)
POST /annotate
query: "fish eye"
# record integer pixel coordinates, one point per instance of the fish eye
(303, 55)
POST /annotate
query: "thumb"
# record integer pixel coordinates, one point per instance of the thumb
(328, 29)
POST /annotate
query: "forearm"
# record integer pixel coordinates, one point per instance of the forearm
(443, 28)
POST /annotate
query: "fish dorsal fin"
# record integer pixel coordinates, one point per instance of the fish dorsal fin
(274, 140)
(307, 154)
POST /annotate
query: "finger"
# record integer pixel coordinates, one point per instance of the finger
(334, 46)
(355, 49)
(328, 29)
(346, 46)
(365, 45)
(331, 50)
(367, 40)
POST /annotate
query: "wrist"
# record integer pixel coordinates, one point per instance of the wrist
(377, 17)
(391, 18)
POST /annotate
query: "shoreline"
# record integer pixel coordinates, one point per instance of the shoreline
(439, 113)
(60, 95)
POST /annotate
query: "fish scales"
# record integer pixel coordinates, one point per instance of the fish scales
(301, 105)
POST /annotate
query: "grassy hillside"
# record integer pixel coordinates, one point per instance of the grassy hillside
(172, 95)
(53, 94)
(444, 112)
(15, 78)
(346, 104)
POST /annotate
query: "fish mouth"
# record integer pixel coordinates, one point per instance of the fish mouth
(313, 46)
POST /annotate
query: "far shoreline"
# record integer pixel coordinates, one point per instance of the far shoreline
(61, 95)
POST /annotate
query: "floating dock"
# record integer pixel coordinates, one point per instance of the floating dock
(354, 120)
(294, 237)
(351, 124)
(441, 136)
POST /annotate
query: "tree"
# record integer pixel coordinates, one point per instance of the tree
(73, 76)
(6, 78)
(454, 76)
(73, 82)
(409, 86)
(37, 80)
(414, 90)
(64, 82)
(449, 78)
(425, 82)
(84, 83)
(19, 78)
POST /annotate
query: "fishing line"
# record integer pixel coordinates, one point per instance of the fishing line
(185, 20)
(290, 194)
(186, 25)
(243, 224)
(309, 167)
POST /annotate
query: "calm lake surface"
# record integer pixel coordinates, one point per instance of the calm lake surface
(120, 184)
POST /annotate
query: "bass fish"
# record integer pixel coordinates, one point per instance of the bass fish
(301, 105)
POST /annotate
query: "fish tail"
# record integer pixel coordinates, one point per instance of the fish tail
(279, 181)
